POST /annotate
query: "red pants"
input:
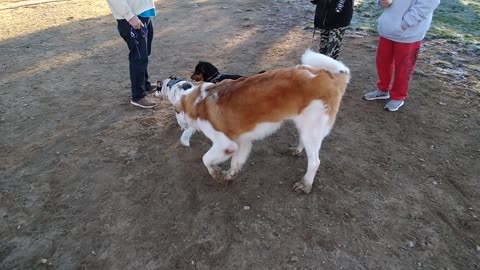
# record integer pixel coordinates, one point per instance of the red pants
(399, 58)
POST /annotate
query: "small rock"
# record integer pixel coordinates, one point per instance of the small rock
(441, 103)
(411, 244)
(478, 248)
(435, 183)
(294, 259)
(246, 208)
(442, 63)
(93, 253)
(193, 262)
(43, 261)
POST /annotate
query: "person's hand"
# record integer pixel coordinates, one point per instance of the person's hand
(385, 3)
(135, 22)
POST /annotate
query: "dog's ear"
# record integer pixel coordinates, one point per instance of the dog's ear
(186, 86)
(208, 70)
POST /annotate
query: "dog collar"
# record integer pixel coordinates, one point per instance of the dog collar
(214, 78)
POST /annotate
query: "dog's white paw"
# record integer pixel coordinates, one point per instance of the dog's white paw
(230, 175)
(300, 186)
(185, 142)
(216, 173)
(295, 151)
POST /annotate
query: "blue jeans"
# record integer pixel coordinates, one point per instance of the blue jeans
(140, 48)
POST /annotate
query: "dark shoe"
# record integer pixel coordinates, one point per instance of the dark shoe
(144, 103)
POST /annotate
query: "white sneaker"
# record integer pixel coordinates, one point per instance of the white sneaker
(394, 105)
(377, 94)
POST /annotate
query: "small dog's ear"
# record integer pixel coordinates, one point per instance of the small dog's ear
(186, 86)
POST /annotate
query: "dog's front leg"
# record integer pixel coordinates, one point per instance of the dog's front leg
(221, 150)
(238, 159)
(213, 157)
(186, 135)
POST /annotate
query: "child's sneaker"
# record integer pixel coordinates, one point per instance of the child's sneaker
(377, 94)
(394, 105)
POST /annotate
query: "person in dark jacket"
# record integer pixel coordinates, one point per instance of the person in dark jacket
(332, 17)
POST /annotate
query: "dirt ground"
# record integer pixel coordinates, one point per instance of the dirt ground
(89, 182)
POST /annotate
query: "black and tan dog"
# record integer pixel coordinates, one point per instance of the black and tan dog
(207, 72)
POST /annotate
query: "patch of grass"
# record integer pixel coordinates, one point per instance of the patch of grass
(453, 20)
(457, 20)
(365, 16)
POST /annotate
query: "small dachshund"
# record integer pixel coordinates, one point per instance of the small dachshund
(207, 72)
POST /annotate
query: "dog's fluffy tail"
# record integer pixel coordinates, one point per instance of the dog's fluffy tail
(320, 61)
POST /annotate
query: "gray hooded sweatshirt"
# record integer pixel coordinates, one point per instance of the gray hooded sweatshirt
(414, 15)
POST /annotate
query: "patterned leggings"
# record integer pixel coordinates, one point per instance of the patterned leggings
(331, 41)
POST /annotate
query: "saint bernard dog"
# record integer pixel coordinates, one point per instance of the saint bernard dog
(234, 113)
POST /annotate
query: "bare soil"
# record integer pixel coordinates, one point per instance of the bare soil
(89, 182)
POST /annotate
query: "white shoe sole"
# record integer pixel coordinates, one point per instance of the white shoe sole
(142, 106)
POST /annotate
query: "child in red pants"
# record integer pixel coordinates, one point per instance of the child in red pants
(402, 27)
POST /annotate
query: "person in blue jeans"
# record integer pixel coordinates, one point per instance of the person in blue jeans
(135, 27)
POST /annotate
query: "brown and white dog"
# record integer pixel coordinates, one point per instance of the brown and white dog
(234, 113)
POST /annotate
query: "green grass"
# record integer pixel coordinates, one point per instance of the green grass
(453, 20)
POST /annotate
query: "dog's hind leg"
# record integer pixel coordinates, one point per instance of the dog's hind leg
(297, 151)
(239, 158)
(221, 150)
(313, 127)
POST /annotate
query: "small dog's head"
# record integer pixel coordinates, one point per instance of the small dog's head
(204, 71)
(173, 89)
